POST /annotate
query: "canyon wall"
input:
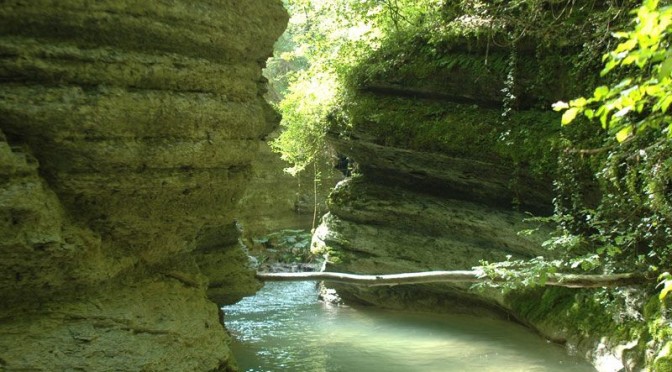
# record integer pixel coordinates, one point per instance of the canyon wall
(128, 130)
(455, 149)
(437, 188)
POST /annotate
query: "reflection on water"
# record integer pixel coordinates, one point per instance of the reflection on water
(285, 328)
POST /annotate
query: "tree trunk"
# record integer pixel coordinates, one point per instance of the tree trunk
(473, 276)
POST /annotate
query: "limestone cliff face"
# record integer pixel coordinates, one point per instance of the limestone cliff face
(438, 187)
(127, 133)
(411, 211)
(445, 181)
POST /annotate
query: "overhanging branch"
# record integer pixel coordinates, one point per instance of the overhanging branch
(461, 276)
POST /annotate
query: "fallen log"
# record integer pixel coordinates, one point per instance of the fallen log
(463, 276)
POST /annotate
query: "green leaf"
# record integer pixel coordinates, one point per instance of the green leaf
(622, 112)
(569, 115)
(626, 46)
(579, 102)
(665, 68)
(624, 133)
(666, 282)
(601, 92)
(589, 114)
(666, 103)
(608, 67)
(653, 90)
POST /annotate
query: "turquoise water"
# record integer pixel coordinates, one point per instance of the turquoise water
(285, 328)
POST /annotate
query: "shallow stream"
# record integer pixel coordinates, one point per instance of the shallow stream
(285, 328)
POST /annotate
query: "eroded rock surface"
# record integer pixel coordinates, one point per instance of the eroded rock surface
(379, 225)
(439, 185)
(127, 133)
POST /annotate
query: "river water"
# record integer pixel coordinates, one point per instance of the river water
(285, 328)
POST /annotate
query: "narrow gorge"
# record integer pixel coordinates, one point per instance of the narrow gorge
(138, 164)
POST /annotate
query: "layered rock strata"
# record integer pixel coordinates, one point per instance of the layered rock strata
(127, 133)
(410, 211)
(455, 150)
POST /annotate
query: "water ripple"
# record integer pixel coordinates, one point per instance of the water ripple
(285, 328)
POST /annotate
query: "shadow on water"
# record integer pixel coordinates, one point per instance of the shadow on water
(285, 328)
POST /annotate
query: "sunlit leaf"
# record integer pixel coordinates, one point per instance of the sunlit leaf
(666, 289)
(653, 90)
(569, 115)
(629, 60)
(622, 112)
(624, 47)
(560, 105)
(665, 68)
(608, 67)
(601, 92)
(579, 102)
(603, 119)
(666, 282)
(624, 133)
(666, 103)
(623, 83)
(589, 114)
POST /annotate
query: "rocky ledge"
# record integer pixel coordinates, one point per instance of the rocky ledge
(410, 211)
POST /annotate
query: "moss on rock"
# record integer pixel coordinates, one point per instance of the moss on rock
(127, 135)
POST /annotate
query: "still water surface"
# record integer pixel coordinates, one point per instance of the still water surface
(285, 328)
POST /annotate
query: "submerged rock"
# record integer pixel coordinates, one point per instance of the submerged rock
(127, 133)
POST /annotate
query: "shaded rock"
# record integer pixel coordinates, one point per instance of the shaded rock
(275, 200)
(453, 177)
(387, 228)
(127, 134)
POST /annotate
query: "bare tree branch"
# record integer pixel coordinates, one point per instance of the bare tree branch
(464, 276)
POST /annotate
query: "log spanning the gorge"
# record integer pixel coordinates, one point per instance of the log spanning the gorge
(463, 276)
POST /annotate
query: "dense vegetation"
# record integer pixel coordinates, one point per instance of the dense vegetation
(612, 180)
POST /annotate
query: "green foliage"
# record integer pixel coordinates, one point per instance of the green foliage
(616, 202)
(304, 119)
(517, 274)
(613, 207)
(666, 284)
(344, 44)
(328, 39)
(641, 99)
(658, 315)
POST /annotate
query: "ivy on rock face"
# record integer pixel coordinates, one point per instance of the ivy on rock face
(630, 225)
